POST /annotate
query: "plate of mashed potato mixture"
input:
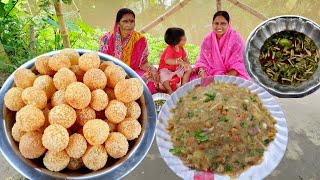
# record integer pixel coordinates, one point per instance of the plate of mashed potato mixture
(222, 127)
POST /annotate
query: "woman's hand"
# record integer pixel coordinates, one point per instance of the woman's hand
(202, 73)
(233, 73)
(155, 74)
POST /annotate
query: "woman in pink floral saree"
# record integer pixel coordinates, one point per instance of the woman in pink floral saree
(130, 47)
(221, 50)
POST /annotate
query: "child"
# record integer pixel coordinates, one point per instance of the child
(173, 60)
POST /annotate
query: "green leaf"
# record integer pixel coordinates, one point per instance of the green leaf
(210, 97)
(244, 125)
(176, 151)
(260, 151)
(190, 114)
(228, 167)
(72, 26)
(252, 118)
(245, 106)
(85, 27)
(44, 4)
(180, 100)
(2, 10)
(194, 98)
(214, 166)
(252, 152)
(253, 99)
(224, 119)
(51, 22)
(67, 1)
(267, 141)
(201, 136)
(177, 120)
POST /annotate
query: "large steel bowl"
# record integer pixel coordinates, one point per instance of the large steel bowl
(115, 169)
(256, 40)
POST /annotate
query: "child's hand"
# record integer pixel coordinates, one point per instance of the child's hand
(185, 65)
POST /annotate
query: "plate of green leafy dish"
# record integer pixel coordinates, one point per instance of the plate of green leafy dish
(282, 55)
(159, 99)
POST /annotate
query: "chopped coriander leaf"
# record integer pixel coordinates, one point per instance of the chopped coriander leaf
(190, 114)
(180, 100)
(225, 119)
(178, 120)
(253, 99)
(252, 118)
(176, 151)
(260, 151)
(214, 166)
(245, 106)
(228, 167)
(201, 136)
(252, 152)
(210, 97)
(244, 125)
(267, 141)
(194, 98)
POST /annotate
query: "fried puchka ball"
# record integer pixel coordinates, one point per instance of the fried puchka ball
(72, 54)
(34, 96)
(99, 100)
(95, 79)
(114, 74)
(56, 161)
(78, 95)
(78, 72)
(103, 66)
(75, 163)
(58, 98)
(63, 114)
(128, 90)
(116, 111)
(89, 60)
(31, 146)
(96, 131)
(110, 93)
(16, 132)
(24, 78)
(130, 128)
(43, 67)
(59, 61)
(77, 146)
(30, 118)
(117, 145)
(63, 78)
(133, 110)
(95, 157)
(84, 115)
(112, 126)
(13, 99)
(45, 82)
(55, 138)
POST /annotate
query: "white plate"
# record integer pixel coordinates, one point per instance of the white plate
(272, 156)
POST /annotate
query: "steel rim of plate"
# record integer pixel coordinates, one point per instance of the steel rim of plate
(116, 172)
